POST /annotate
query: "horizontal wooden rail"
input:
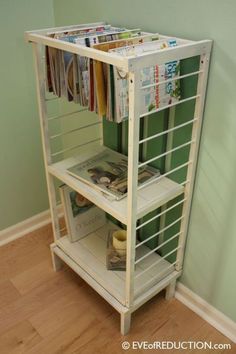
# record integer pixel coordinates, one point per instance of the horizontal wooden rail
(160, 214)
(156, 248)
(168, 131)
(158, 274)
(170, 105)
(75, 147)
(67, 114)
(165, 174)
(166, 153)
(172, 79)
(159, 232)
(74, 130)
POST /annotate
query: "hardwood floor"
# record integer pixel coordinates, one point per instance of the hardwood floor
(46, 312)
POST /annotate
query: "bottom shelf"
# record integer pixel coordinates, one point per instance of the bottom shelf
(90, 254)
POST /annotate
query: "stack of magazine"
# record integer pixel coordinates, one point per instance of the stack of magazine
(103, 88)
(68, 73)
(107, 172)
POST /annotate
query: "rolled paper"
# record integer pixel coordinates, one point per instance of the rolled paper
(119, 241)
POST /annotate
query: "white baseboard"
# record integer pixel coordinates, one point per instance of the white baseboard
(26, 226)
(209, 313)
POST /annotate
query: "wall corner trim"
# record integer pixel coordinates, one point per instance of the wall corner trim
(24, 227)
(209, 313)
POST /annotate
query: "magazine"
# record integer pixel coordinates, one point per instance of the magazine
(108, 171)
(153, 97)
(104, 88)
(68, 74)
(104, 80)
(82, 216)
(89, 39)
(135, 39)
(80, 76)
(79, 30)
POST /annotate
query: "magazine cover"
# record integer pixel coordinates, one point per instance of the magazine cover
(105, 90)
(135, 38)
(81, 215)
(153, 97)
(107, 172)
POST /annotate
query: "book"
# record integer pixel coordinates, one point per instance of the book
(81, 216)
(100, 87)
(108, 173)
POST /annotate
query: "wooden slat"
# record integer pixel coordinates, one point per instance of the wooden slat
(65, 28)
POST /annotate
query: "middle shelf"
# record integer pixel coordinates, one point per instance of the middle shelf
(149, 198)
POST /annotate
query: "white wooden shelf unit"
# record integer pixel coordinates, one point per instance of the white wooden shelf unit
(148, 271)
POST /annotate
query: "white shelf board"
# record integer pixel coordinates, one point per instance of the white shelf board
(90, 254)
(149, 198)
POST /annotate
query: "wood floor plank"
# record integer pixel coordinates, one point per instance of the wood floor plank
(8, 293)
(52, 318)
(19, 339)
(24, 253)
(61, 342)
(33, 277)
(208, 334)
(177, 326)
(39, 298)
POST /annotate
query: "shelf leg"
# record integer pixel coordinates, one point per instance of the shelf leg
(56, 261)
(170, 290)
(125, 322)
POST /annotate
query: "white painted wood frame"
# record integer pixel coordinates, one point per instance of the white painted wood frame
(85, 257)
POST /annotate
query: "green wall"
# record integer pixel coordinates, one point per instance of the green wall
(211, 249)
(22, 180)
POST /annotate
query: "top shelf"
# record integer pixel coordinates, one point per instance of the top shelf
(185, 49)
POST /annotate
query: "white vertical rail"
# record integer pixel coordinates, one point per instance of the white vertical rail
(144, 157)
(169, 144)
(196, 131)
(40, 86)
(133, 152)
